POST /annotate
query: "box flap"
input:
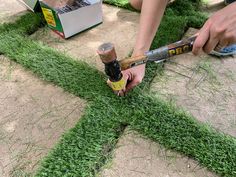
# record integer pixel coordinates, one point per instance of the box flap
(33, 5)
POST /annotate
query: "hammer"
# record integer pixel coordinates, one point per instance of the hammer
(113, 67)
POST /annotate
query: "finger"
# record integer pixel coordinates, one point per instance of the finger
(108, 82)
(201, 40)
(116, 92)
(132, 84)
(231, 36)
(222, 44)
(211, 45)
(127, 75)
(121, 93)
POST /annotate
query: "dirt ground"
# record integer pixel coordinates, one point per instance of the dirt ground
(10, 10)
(204, 86)
(119, 27)
(136, 156)
(34, 115)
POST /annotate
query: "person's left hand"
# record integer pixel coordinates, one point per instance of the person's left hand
(132, 77)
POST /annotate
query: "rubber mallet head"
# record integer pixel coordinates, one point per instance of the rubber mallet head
(108, 56)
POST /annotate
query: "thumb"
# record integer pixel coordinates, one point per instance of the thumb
(133, 84)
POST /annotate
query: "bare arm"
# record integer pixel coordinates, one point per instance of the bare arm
(151, 15)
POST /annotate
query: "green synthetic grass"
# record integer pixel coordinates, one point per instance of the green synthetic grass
(27, 24)
(85, 149)
(119, 3)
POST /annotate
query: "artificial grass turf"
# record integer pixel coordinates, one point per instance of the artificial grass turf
(85, 148)
(26, 25)
(119, 3)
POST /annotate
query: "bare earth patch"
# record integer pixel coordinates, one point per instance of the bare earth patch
(10, 10)
(34, 115)
(212, 6)
(136, 156)
(204, 86)
(119, 26)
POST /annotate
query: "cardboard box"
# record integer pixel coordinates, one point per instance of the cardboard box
(32, 5)
(70, 23)
(58, 3)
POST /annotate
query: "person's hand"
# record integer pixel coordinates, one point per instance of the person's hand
(132, 77)
(218, 32)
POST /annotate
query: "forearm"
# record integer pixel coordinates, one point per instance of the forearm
(151, 15)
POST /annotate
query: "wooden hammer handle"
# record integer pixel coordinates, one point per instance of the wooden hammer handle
(161, 53)
(133, 61)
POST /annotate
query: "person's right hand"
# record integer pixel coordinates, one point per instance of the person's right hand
(218, 32)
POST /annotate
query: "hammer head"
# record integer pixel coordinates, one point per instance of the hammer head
(107, 52)
(108, 56)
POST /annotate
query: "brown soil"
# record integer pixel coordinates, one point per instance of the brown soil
(33, 116)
